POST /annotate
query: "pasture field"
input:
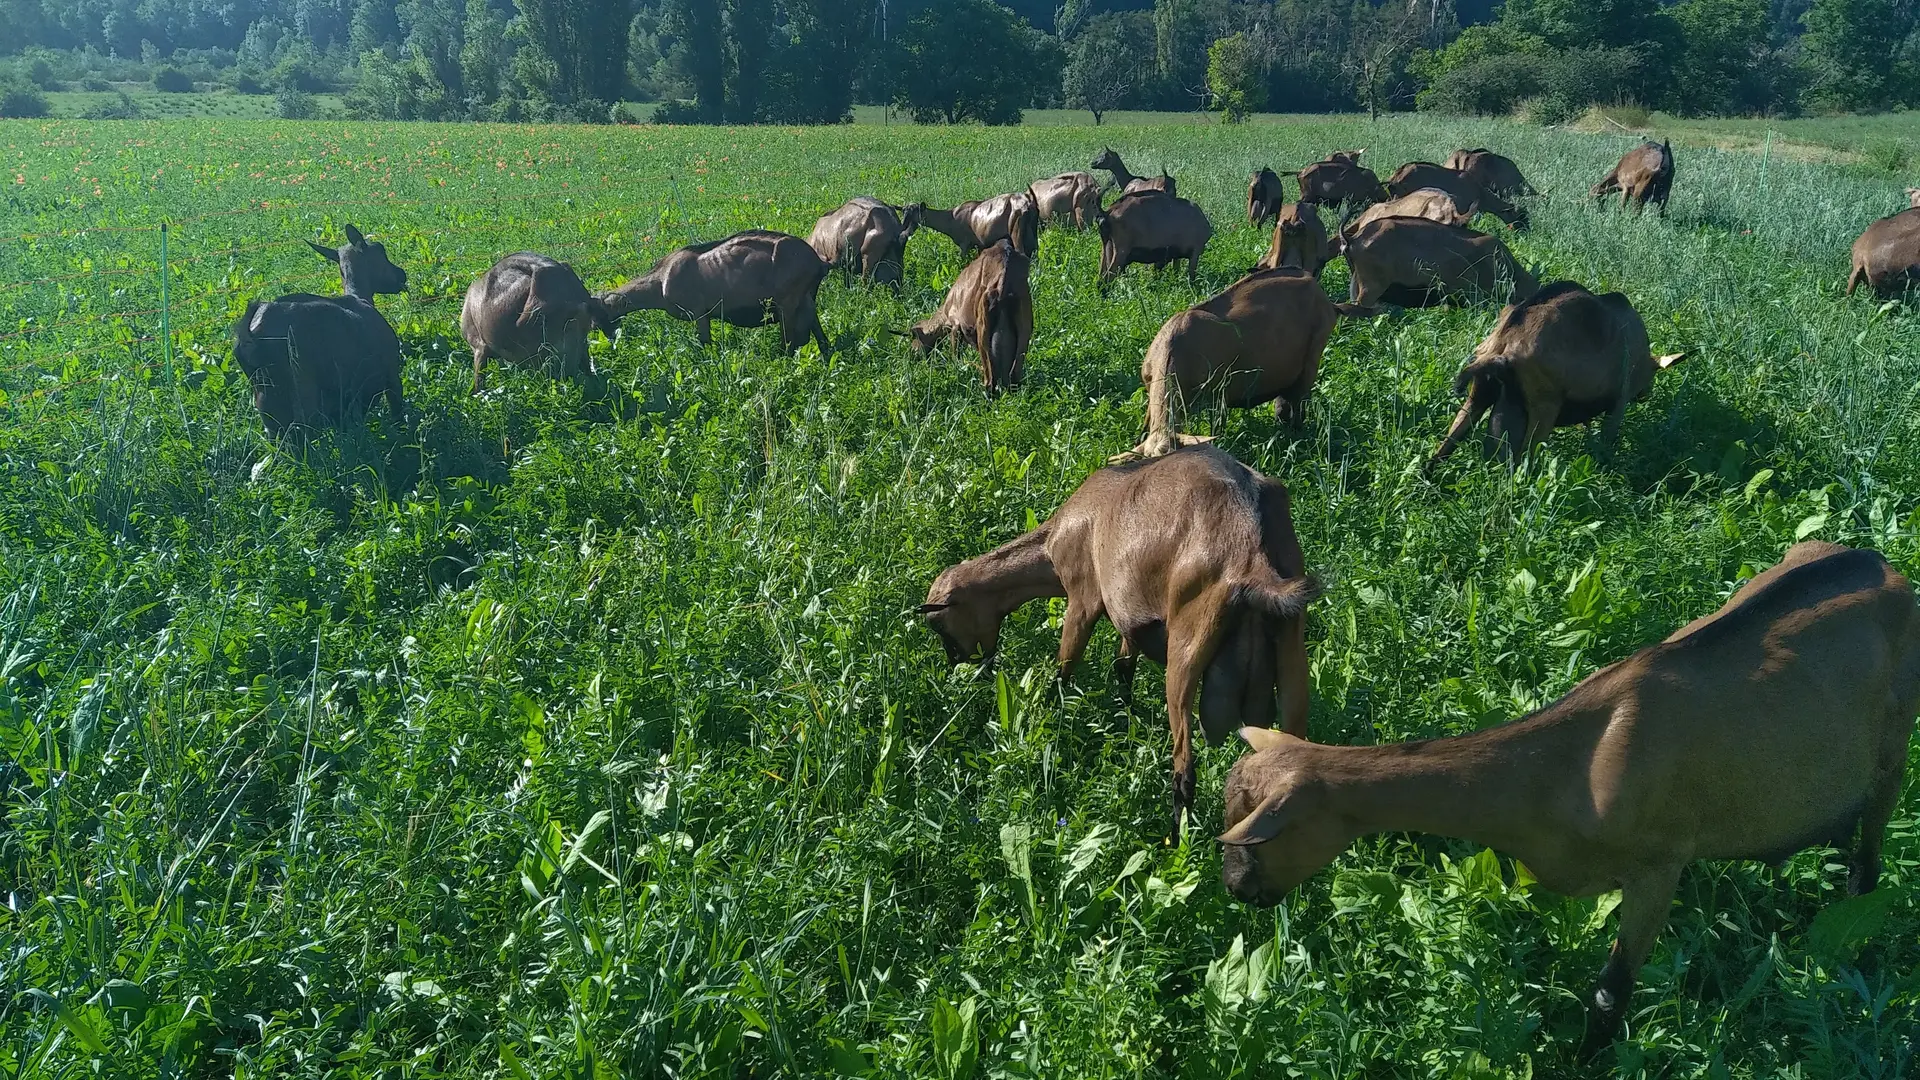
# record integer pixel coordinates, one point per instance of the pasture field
(566, 737)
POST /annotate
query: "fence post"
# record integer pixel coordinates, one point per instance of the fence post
(1766, 155)
(166, 328)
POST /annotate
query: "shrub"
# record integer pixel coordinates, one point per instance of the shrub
(294, 104)
(677, 111)
(96, 84)
(1546, 110)
(172, 80)
(249, 82)
(40, 74)
(23, 102)
(1487, 85)
(1886, 155)
(124, 109)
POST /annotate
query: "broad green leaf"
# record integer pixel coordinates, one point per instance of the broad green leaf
(1841, 928)
(1360, 890)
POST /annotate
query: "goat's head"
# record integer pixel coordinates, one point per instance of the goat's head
(364, 267)
(1279, 832)
(1107, 160)
(910, 216)
(968, 624)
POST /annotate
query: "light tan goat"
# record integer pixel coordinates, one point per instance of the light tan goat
(1777, 723)
(989, 308)
(973, 226)
(1886, 256)
(1266, 194)
(1258, 341)
(528, 308)
(1068, 199)
(1913, 198)
(1563, 356)
(1430, 203)
(1643, 175)
(1466, 190)
(1495, 172)
(748, 279)
(1192, 557)
(1299, 240)
(867, 237)
(1414, 262)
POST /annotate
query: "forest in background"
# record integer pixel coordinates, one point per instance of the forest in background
(811, 61)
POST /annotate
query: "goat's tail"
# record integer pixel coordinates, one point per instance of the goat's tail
(1853, 280)
(1284, 598)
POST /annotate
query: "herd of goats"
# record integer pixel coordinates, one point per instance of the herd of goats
(1779, 722)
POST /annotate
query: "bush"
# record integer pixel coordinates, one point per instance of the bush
(677, 111)
(40, 74)
(124, 109)
(249, 82)
(1546, 110)
(1886, 155)
(1554, 85)
(23, 102)
(172, 80)
(1487, 86)
(96, 84)
(294, 104)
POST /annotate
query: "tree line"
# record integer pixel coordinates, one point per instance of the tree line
(953, 61)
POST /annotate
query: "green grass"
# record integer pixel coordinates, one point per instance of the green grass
(561, 737)
(210, 105)
(1888, 142)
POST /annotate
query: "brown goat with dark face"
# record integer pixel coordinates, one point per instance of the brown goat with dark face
(1192, 557)
(974, 226)
(989, 308)
(1644, 175)
(1154, 228)
(1414, 262)
(1418, 175)
(867, 237)
(1886, 257)
(1126, 181)
(1258, 341)
(1779, 722)
(315, 361)
(1563, 356)
(1492, 171)
(529, 307)
(749, 279)
(1299, 240)
(1266, 194)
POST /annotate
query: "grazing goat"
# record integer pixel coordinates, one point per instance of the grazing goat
(1153, 228)
(1467, 191)
(1561, 357)
(989, 307)
(867, 237)
(1414, 262)
(1258, 341)
(1070, 198)
(1492, 171)
(315, 361)
(973, 226)
(1126, 181)
(1339, 181)
(528, 307)
(1886, 257)
(749, 279)
(1644, 174)
(1430, 203)
(1192, 557)
(1299, 239)
(1266, 194)
(1777, 723)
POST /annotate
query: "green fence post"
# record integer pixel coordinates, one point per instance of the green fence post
(166, 328)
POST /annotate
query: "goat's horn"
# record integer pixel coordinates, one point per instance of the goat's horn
(1671, 359)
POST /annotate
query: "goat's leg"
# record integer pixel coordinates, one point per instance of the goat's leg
(1075, 629)
(1863, 867)
(1541, 417)
(1124, 663)
(1480, 398)
(705, 329)
(1290, 663)
(1643, 912)
(479, 369)
(1193, 268)
(1191, 642)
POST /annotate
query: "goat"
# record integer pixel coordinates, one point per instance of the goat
(1258, 341)
(989, 307)
(1340, 180)
(1413, 262)
(1430, 203)
(749, 279)
(1266, 193)
(1886, 257)
(1644, 174)
(1154, 228)
(315, 361)
(867, 237)
(973, 226)
(1299, 239)
(1777, 723)
(528, 306)
(1126, 181)
(1071, 198)
(1466, 190)
(1192, 557)
(1563, 356)
(1494, 172)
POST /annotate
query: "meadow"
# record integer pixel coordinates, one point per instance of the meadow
(559, 736)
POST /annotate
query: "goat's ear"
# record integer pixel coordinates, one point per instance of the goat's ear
(326, 253)
(928, 609)
(1670, 359)
(354, 237)
(1262, 825)
(1260, 738)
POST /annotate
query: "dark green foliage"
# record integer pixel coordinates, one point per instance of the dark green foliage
(1108, 60)
(172, 80)
(1851, 52)
(22, 101)
(581, 49)
(970, 60)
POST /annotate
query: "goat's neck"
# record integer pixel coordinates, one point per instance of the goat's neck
(1121, 176)
(1012, 574)
(351, 281)
(944, 223)
(643, 293)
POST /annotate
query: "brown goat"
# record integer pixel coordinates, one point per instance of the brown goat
(989, 307)
(315, 361)
(1192, 557)
(1419, 175)
(867, 237)
(529, 307)
(1887, 255)
(1913, 198)
(1126, 181)
(1266, 193)
(1068, 199)
(973, 226)
(749, 279)
(1492, 171)
(1777, 723)
(1339, 181)
(1414, 262)
(1154, 228)
(1563, 356)
(1430, 203)
(1258, 341)
(1644, 174)
(1299, 239)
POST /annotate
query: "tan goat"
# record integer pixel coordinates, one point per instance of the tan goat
(1430, 203)
(1154, 228)
(990, 308)
(1192, 557)
(1299, 239)
(1494, 172)
(1466, 190)
(1068, 199)
(867, 237)
(1266, 194)
(748, 279)
(1563, 356)
(1886, 256)
(1339, 180)
(1643, 175)
(1913, 198)
(1777, 723)
(1413, 262)
(973, 226)
(1258, 341)
(528, 308)
(1126, 181)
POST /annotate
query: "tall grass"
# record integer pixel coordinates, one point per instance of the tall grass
(562, 737)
